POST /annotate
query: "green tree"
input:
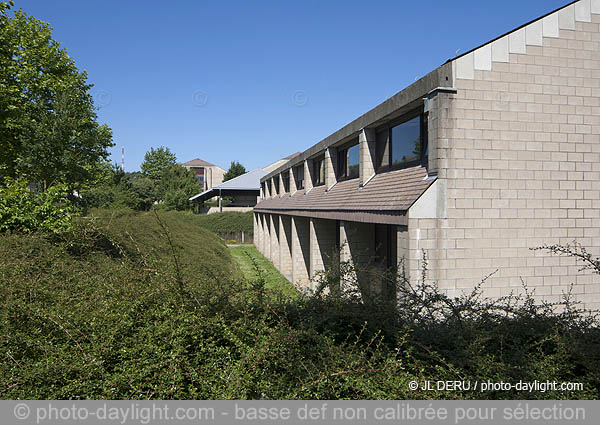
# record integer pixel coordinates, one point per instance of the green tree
(235, 169)
(48, 127)
(137, 191)
(177, 185)
(156, 161)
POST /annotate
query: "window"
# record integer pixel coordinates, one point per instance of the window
(276, 184)
(348, 162)
(319, 171)
(299, 176)
(406, 142)
(403, 145)
(286, 182)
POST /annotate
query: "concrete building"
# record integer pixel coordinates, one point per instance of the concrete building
(242, 191)
(208, 175)
(495, 152)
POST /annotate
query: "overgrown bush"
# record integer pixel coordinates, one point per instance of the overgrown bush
(226, 222)
(25, 210)
(469, 337)
(129, 305)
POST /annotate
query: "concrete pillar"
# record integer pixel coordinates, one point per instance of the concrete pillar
(403, 252)
(438, 125)
(344, 248)
(357, 241)
(366, 140)
(292, 181)
(322, 244)
(300, 252)
(257, 232)
(267, 236)
(308, 182)
(263, 234)
(347, 282)
(281, 185)
(274, 225)
(285, 247)
(330, 167)
(256, 227)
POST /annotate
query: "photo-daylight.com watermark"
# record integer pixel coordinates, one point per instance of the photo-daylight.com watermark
(291, 412)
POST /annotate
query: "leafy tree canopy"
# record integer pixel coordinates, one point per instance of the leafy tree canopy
(156, 161)
(48, 127)
(177, 185)
(235, 169)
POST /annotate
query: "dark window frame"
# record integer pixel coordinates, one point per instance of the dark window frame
(299, 182)
(342, 161)
(424, 142)
(286, 183)
(276, 185)
(316, 174)
(270, 187)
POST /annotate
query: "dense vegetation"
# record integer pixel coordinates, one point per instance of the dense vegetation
(162, 185)
(48, 126)
(26, 210)
(227, 222)
(151, 306)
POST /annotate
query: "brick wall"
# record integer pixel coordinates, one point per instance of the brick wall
(519, 147)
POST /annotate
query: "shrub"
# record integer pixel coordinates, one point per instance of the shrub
(26, 210)
(130, 305)
(227, 222)
(469, 337)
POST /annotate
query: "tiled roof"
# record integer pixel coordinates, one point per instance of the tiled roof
(390, 192)
(197, 163)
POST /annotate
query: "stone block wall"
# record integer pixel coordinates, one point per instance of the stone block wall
(519, 148)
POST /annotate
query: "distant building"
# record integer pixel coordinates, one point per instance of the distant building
(238, 194)
(208, 175)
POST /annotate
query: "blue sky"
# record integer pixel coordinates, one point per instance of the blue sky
(257, 81)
